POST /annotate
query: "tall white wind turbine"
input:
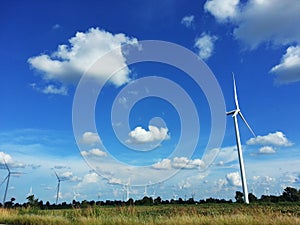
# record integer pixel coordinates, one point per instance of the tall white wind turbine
(235, 113)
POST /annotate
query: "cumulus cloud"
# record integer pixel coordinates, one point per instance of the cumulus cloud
(222, 10)
(141, 136)
(68, 63)
(266, 150)
(94, 152)
(188, 21)
(165, 164)
(89, 178)
(68, 175)
(258, 21)
(268, 21)
(179, 163)
(8, 160)
(265, 21)
(5, 158)
(205, 45)
(90, 138)
(185, 163)
(289, 68)
(234, 179)
(276, 139)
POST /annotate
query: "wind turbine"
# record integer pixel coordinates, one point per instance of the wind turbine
(145, 192)
(7, 179)
(75, 195)
(235, 113)
(127, 189)
(58, 186)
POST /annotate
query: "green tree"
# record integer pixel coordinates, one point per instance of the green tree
(291, 194)
(252, 197)
(33, 202)
(239, 197)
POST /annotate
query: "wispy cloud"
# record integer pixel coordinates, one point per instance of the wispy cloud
(188, 21)
(205, 45)
(94, 152)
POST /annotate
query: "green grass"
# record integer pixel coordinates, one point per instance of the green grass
(216, 214)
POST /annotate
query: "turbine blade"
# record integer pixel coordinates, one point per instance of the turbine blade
(57, 176)
(230, 112)
(6, 166)
(235, 93)
(4, 180)
(243, 118)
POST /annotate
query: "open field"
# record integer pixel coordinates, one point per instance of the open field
(233, 214)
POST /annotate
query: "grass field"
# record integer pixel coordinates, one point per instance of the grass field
(231, 214)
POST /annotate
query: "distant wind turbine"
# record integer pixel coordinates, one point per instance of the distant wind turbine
(58, 186)
(7, 179)
(75, 195)
(234, 114)
(145, 192)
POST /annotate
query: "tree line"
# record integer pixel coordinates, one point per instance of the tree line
(289, 194)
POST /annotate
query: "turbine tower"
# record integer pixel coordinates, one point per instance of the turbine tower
(235, 113)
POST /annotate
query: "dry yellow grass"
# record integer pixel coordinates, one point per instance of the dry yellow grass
(157, 215)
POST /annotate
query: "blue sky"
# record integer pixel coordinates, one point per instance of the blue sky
(47, 47)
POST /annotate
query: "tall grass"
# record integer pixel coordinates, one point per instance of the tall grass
(231, 214)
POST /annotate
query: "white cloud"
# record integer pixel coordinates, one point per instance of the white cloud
(90, 138)
(265, 21)
(267, 150)
(68, 175)
(185, 163)
(68, 63)
(205, 45)
(114, 180)
(188, 21)
(89, 178)
(222, 10)
(94, 152)
(51, 89)
(289, 68)
(268, 21)
(275, 139)
(164, 164)
(234, 179)
(5, 158)
(140, 136)
(179, 163)
(227, 155)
